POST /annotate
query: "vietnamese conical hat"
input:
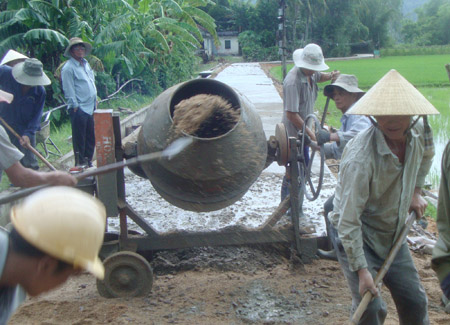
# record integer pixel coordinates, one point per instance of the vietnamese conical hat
(12, 55)
(393, 95)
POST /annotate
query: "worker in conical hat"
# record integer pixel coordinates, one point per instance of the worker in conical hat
(12, 58)
(381, 175)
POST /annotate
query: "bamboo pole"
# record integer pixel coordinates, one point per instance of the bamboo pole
(28, 146)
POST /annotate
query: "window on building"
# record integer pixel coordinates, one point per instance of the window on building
(227, 44)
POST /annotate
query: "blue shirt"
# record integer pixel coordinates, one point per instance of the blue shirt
(10, 297)
(24, 114)
(78, 83)
(351, 125)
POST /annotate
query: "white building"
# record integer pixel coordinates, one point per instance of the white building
(229, 44)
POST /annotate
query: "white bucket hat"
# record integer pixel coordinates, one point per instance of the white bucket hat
(310, 58)
(348, 82)
(74, 41)
(393, 95)
(12, 55)
(30, 73)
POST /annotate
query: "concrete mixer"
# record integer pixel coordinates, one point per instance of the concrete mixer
(215, 171)
(212, 173)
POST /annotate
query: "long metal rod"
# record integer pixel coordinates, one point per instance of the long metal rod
(384, 268)
(172, 150)
(325, 110)
(28, 146)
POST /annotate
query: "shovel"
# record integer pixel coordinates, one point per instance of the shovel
(171, 151)
(384, 268)
(28, 146)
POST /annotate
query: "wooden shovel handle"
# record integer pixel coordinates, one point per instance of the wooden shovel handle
(28, 146)
(384, 268)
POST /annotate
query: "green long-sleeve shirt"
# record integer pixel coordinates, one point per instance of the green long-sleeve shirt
(441, 252)
(374, 191)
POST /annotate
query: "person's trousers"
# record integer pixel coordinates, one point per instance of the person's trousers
(402, 280)
(29, 159)
(83, 136)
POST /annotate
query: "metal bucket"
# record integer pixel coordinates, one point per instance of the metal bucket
(212, 173)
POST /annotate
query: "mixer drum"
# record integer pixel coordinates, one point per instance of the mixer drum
(212, 173)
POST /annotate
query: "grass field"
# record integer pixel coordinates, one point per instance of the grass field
(426, 73)
(420, 70)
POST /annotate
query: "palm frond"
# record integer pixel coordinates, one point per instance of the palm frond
(30, 17)
(160, 39)
(13, 42)
(45, 35)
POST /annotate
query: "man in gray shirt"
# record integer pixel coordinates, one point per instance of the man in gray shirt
(300, 93)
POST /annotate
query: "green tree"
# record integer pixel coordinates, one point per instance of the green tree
(377, 16)
(38, 28)
(432, 26)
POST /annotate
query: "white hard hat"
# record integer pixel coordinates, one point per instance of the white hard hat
(310, 58)
(65, 223)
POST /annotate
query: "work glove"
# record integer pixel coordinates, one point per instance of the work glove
(323, 136)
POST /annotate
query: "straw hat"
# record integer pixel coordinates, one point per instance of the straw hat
(30, 73)
(393, 95)
(12, 55)
(348, 82)
(6, 97)
(74, 41)
(310, 58)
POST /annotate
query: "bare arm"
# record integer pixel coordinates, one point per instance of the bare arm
(26, 177)
(329, 76)
(298, 122)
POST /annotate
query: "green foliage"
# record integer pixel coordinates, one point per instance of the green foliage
(432, 26)
(105, 84)
(253, 48)
(131, 39)
(430, 211)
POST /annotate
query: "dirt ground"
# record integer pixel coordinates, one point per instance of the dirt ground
(261, 284)
(223, 285)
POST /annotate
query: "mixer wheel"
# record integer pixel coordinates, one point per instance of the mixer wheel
(127, 274)
(283, 149)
